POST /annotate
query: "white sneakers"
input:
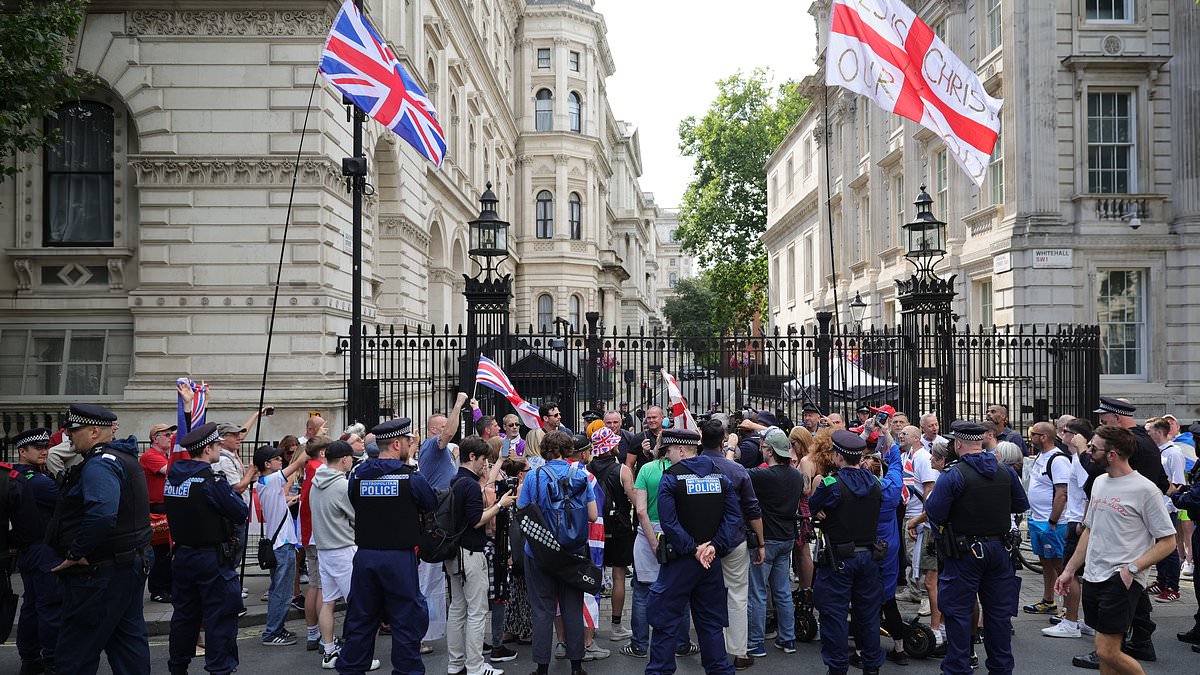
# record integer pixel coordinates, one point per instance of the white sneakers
(488, 670)
(329, 662)
(1187, 569)
(924, 609)
(1063, 629)
(619, 633)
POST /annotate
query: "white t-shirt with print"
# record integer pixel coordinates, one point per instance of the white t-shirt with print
(274, 509)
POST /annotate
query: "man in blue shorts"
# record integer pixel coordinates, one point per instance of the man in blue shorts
(1047, 502)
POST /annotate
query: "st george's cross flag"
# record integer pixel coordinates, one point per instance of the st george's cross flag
(358, 63)
(489, 374)
(681, 417)
(880, 49)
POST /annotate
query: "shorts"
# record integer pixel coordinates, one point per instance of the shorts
(928, 561)
(1047, 542)
(1108, 606)
(337, 566)
(314, 566)
(618, 551)
(1069, 546)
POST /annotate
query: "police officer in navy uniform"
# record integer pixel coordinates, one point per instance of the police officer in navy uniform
(101, 529)
(41, 607)
(203, 512)
(388, 496)
(970, 507)
(701, 518)
(847, 579)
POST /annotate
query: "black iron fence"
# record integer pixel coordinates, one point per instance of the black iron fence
(1036, 371)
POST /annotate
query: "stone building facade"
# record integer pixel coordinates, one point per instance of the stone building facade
(674, 264)
(146, 245)
(1090, 212)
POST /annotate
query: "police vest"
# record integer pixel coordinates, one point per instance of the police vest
(385, 516)
(617, 508)
(699, 502)
(132, 529)
(193, 520)
(855, 519)
(983, 507)
(30, 520)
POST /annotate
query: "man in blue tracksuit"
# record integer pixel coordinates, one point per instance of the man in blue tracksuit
(101, 532)
(41, 607)
(970, 507)
(700, 517)
(848, 504)
(388, 496)
(204, 513)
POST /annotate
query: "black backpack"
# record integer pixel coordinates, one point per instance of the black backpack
(1049, 472)
(438, 538)
(616, 519)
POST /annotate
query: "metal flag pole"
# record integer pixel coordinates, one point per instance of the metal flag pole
(355, 170)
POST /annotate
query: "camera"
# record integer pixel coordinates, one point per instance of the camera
(505, 486)
(269, 410)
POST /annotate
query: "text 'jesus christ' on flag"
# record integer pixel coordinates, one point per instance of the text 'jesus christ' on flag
(882, 50)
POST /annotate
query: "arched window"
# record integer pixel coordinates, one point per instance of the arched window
(545, 313)
(576, 216)
(545, 215)
(79, 175)
(544, 118)
(574, 106)
(576, 312)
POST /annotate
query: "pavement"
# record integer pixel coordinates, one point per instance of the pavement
(1035, 654)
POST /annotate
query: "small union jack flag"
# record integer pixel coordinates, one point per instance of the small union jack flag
(358, 63)
(491, 376)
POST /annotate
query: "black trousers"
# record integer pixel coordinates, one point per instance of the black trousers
(159, 580)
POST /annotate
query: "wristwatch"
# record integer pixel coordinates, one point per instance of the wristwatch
(1133, 568)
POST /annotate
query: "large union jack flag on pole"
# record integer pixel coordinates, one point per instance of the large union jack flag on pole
(358, 63)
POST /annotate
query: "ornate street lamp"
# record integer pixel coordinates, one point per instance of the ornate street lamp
(924, 237)
(488, 236)
(858, 309)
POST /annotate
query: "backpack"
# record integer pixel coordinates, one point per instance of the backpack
(438, 537)
(1049, 472)
(616, 518)
(566, 515)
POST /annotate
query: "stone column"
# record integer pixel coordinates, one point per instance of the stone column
(1185, 117)
(561, 89)
(561, 224)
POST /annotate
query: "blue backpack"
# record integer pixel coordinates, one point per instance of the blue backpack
(566, 514)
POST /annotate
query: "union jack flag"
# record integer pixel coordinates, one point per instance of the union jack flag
(196, 414)
(358, 63)
(491, 376)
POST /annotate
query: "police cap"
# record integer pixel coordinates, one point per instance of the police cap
(808, 407)
(87, 415)
(37, 436)
(386, 431)
(1115, 406)
(965, 430)
(674, 436)
(200, 437)
(848, 443)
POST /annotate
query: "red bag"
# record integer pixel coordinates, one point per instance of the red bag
(160, 531)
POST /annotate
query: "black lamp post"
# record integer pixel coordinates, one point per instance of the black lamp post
(488, 293)
(927, 317)
(488, 236)
(858, 309)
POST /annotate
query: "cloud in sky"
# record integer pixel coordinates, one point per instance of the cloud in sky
(669, 55)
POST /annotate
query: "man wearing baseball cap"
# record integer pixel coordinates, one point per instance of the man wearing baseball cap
(41, 607)
(154, 465)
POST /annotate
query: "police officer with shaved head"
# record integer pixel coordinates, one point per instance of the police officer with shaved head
(971, 505)
(847, 580)
(204, 512)
(101, 531)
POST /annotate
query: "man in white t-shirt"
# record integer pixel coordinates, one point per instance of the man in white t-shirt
(1073, 433)
(1047, 502)
(919, 477)
(277, 525)
(1127, 530)
(1174, 466)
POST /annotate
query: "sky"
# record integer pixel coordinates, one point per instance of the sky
(681, 49)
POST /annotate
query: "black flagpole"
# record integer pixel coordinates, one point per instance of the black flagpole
(355, 169)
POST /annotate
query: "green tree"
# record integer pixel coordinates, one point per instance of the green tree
(692, 312)
(724, 210)
(35, 74)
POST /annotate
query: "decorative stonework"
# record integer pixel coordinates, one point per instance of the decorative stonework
(401, 227)
(24, 270)
(176, 170)
(116, 273)
(1112, 45)
(295, 23)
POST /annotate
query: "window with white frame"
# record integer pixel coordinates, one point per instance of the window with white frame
(774, 282)
(575, 215)
(575, 112)
(1111, 152)
(86, 361)
(773, 193)
(996, 172)
(1109, 10)
(985, 302)
(806, 265)
(673, 279)
(992, 23)
(545, 312)
(899, 207)
(543, 57)
(576, 313)
(574, 61)
(808, 157)
(545, 215)
(1121, 313)
(791, 274)
(941, 184)
(544, 111)
(790, 178)
(865, 245)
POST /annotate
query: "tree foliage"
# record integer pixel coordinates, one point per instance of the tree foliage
(724, 209)
(693, 312)
(35, 73)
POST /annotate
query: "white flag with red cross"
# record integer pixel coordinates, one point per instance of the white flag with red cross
(680, 415)
(880, 49)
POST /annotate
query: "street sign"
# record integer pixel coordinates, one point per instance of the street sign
(1052, 258)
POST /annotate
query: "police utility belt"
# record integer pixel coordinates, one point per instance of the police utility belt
(122, 558)
(952, 546)
(831, 555)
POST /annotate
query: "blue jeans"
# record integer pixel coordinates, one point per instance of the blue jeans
(280, 593)
(640, 626)
(774, 576)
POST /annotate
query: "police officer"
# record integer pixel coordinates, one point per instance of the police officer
(971, 505)
(388, 496)
(101, 530)
(700, 517)
(203, 512)
(41, 608)
(847, 503)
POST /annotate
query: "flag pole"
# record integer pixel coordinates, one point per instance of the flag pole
(355, 169)
(837, 310)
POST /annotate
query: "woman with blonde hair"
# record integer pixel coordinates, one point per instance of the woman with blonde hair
(802, 562)
(533, 449)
